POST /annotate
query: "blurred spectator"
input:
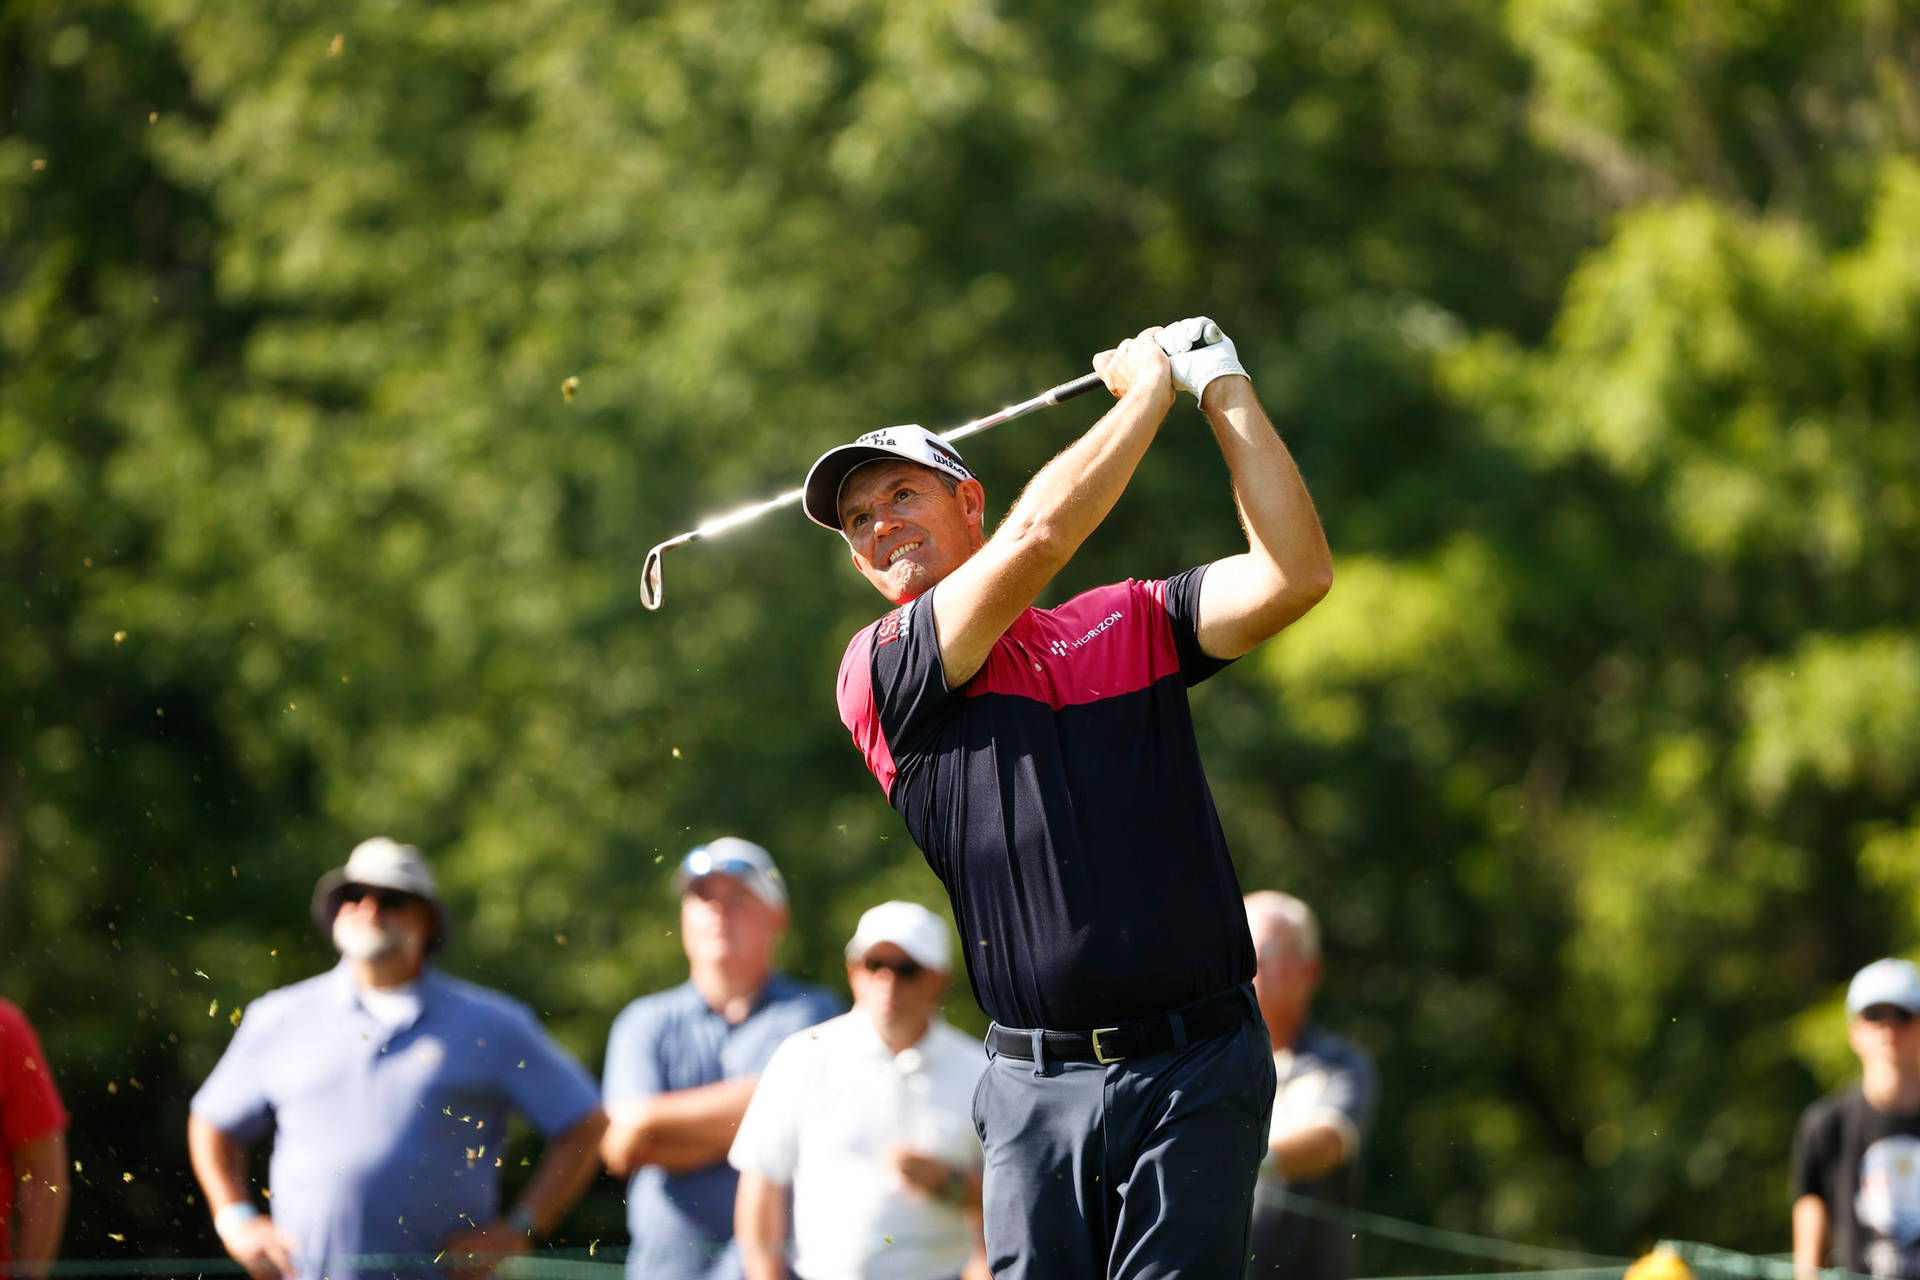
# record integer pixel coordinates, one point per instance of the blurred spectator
(682, 1064)
(34, 1161)
(386, 1086)
(1321, 1112)
(868, 1120)
(1856, 1158)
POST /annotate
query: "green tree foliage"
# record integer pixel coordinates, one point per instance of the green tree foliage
(1663, 698)
(1593, 326)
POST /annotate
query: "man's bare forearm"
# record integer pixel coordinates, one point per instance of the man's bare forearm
(1287, 567)
(40, 1201)
(1061, 506)
(1809, 1236)
(219, 1163)
(567, 1166)
(680, 1130)
(760, 1226)
(1310, 1151)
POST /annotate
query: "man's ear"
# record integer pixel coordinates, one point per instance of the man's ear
(973, 501)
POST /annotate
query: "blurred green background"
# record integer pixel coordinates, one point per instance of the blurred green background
(1593, 323)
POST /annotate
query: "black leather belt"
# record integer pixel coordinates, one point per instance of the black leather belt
(1136, 1039)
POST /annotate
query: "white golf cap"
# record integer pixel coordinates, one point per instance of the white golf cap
(744, 860)
(908, 926)
(381, 863)
(910, 442)
(1894, 982)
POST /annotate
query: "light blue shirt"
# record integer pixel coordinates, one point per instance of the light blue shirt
(682, 1224)
(387, 1139)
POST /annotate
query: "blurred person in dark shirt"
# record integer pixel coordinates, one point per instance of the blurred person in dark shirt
(1323, 1104)
(1856, 1158)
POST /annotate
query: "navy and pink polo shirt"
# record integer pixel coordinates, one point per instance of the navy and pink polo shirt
(1059, 797)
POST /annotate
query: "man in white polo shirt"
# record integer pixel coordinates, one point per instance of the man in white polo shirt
(867, 1118)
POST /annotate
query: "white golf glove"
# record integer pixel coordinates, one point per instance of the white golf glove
(1199, 352)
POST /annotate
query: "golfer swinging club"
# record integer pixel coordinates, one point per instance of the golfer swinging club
(1044, 760)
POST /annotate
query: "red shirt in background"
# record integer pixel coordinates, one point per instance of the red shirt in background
(29, 1106)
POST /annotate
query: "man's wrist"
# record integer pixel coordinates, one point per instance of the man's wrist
(1158, 395)
(230, 1218)
(1222, 390)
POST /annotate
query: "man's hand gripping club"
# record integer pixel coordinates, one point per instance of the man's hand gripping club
(1063, 503)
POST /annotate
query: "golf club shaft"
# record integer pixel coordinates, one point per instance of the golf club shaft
(651, 588)
(1051, 396)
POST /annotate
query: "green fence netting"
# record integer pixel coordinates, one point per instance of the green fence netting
(1379, 1237)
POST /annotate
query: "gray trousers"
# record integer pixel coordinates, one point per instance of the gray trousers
(1142, 1168)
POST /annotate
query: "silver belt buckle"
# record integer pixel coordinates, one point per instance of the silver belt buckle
(1100, 1054)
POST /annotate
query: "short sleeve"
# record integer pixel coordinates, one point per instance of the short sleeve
(1813, 1153)
(29, 1103)
(1183, 611)
(633, 1054)
(893, 686)
(1332, 1084)
(809, 1007)
(1351, 1089)
(768, 1141)
(546, 1083)
(234, 1097)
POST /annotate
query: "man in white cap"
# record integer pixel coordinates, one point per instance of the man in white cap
(681, 1064)
(867, 1121)
(1856, 1159)
(386, 1087)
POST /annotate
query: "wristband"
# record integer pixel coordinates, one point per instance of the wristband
(522, 1221)
(232, 1217)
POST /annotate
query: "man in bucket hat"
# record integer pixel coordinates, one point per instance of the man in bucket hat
(386, 1087)
(682, 1064)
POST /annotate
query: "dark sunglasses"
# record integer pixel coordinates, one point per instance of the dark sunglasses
(1891, 1014)
(905, 970)
(385, 899)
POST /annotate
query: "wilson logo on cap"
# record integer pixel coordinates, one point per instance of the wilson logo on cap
(945, 452)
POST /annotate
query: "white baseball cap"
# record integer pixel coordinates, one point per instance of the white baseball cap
(381, 863)
(912, 442)
(744, 860)
(1895, 982)
(908, 926)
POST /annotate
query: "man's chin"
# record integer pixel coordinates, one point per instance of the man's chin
(907, 582)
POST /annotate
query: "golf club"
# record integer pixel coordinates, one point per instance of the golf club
(651, 588)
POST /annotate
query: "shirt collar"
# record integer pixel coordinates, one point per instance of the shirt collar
(870, 1041)
(758, 1001)
(345, 992)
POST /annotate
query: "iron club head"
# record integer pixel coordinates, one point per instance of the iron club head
(650, 580)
